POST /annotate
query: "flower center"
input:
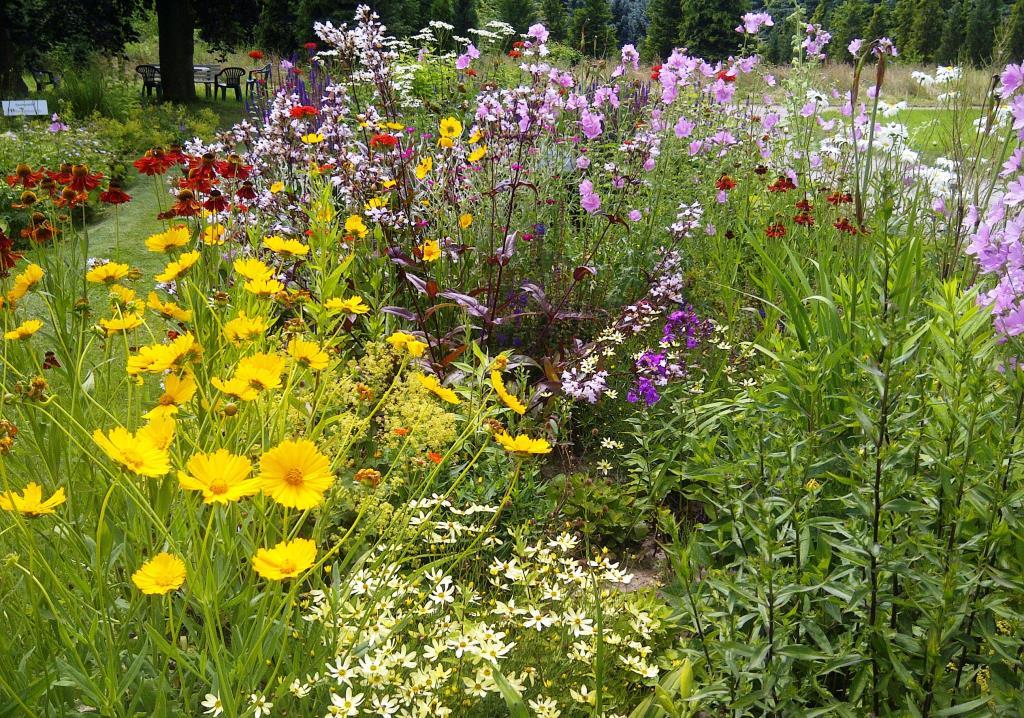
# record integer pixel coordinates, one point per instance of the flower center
(166, 400)
(219, 487)
(293, 477)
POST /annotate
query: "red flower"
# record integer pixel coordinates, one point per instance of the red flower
(114, 194)
(24, 176)
(61, 176)
(256, 54)
(838, 198)
(726, 76)
(69, 197)
(470, 71)
(310, 46)
(50, 361)
(775, 230)
(804, 205)
(514, 53)
(234, 168)
(185, 205)
(246, 191)
(782, 184)
(82, 180)
(202, 167)
(383, 141)
(725, 183)
(149, 164)
(435, 457)
(301, 111)
(845, 225)
(8, 257)
(804, 219)
(656, 72)
(216, 202)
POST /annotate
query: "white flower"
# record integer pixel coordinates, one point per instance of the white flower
(545, 707)
(213, 705)
(538, 620)
(261, 706)
(385, 706)
(578, 623)
(347, 706)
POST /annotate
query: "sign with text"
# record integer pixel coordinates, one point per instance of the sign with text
(14, 108)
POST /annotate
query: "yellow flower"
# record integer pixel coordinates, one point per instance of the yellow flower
(354, 225)
(402, 340)
(222, 476)
(312, 138)
(123, 296)
(442, 392)
(378, 202)
(286, 560)
(295, 474)
(24, 330)
(159, 575)
(119, 325)
(251, 268)
(423, 167)
(160, 430)
(353, 305)
(394, 126)
(175, 237)
(158, 358)
(214, 234)
(256, 373)
(465, 220)
(450, 127)
(107, 273)
(388, 184)
(243, 328)
(175, 269)
(446, 142)
(264, 287)
(276, 187)
(30, 502)
(168, 310)
(324, 213)
(511, 401)
(280, 245)
(308, 354)
(478, 154)
(523, 445)
(177, 391)
(475, 137)
(431, 250)
(136, 452)
(24, 282)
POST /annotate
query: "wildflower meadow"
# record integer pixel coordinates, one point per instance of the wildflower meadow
(461, 375)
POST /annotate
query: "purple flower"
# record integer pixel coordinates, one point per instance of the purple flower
(589, 200)
(683, 128)
(754, 21)
(56, 125)
(635, 215)
(1011, 80)
(854, 46)
(591, 123)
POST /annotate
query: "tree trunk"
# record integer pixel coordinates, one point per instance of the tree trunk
(12, 85)
(176, 27)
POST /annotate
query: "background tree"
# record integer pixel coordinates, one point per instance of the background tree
(464, 16)
(663, 18)
(926, 30)
(278, 28)
(901, 22)
(555, 19)
(952, 34)
(849, 20)
(630, 21)
(879, 24)
(1015, 32)
(709, 29)
(593, 29)
(981, 30)
(520, 14)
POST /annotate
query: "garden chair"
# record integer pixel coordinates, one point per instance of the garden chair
(44, 78)
(206, 76)
(229, 78)
(258, 82)
(150, 80)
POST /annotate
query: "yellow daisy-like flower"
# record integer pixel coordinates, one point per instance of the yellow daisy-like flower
(178, 390)
(431, 250)
(465, 220)
(122, 296)
(108, 273)
(442, 392)
(394, 126)
(24, 330)
(256, 373)
(312, 138)
(175, 237)
(286, 560)
(158, 358)
(160, 430)
(244, 328)
(168, 309)
(475, 137)
(478, 154)
(288, 247)
(403, 340)
(252, 269)
(388, 184)
(450, 127)
(30, 502)
(511, 401)
(423, 167)
(355, 226)
(213, 234)
(352, 305)
(378, 202)
(295, 474)
(309, 354)
(523, 445)
(122, 324)
(223, 477)
(25, 282)
(263, 287)
(159, 575)
(175, 269)
(276, 187)
(136, 452)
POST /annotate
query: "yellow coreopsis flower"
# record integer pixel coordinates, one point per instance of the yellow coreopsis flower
(24, 282)
(252, 269)
(243, 328)
(355, 226)
(465, 220)
(136, 452)
(107, 273)
(511, 401)
(177, 268)
(442, 392)
(264, 287)
(312, 138)
(159, 575)
(394, 126)
(223, 477)
(287, 559)
(175, 237)
(177, 391)
(450, 127)
(168, 310)
(308, 354)
(122, 296)
(288, 247)
(277, 187)
(213, 234)
(24, 330)
(377, 202)
(256, 373)
(423, 167)
(30, 502)
(122, 324)
(158, 358)
(295, 474)
(523, 445)
(403, 340)
(353, 305)
(431, 250)
(160, 430)
(478, 154)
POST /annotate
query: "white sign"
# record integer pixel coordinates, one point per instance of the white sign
(24, 107)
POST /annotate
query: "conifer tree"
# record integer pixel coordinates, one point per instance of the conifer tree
(879, 24)
(554, 17)
(708, 29)
(663, 17)
(1015, 32)
(464, 16)
(520, 14)
(901, 25)
(593, 29)
(926, 31)
(849, 20)
(952, 34)
(981, 30)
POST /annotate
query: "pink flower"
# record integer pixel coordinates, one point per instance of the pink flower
(683, 128)
(591, 123)
(589, 199)
(854, 46)
(754, 21)
(1011, 80)
(635, 215)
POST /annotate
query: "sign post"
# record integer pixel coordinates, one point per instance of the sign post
(18, 108)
